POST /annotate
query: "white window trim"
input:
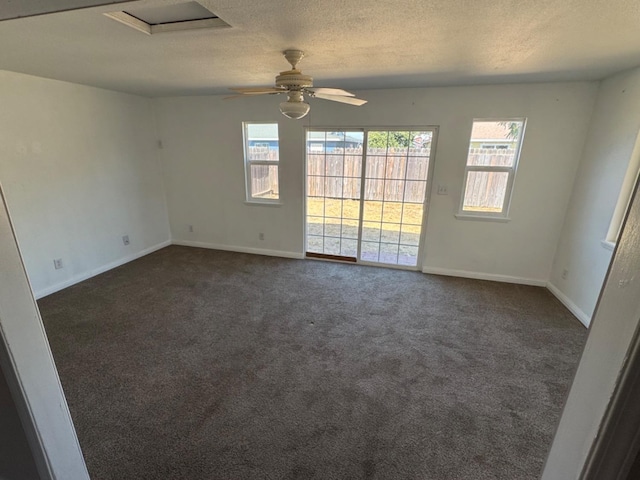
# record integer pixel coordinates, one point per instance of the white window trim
(503, 215)
(608, 245)
(481, 217)
(624, 198)
(249, 200)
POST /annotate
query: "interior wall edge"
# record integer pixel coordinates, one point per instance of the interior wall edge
(581, 256)
(160, 163)
(97, 271)
(567, 302)
(31, 361)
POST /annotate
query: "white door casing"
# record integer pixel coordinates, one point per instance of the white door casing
(36, 387)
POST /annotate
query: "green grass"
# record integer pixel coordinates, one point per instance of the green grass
(347, 212)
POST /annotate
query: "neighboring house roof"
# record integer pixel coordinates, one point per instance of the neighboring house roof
(490, 131)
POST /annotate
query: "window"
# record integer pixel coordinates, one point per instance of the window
(494, 149)
(261, 155)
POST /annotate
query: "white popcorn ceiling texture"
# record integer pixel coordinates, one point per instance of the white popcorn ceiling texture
(349, 44)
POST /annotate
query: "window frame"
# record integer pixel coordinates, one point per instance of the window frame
(248, 163)
(503, 215)
(631, 176)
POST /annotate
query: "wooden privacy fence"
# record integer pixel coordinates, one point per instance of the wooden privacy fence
(338, 175)
(264, 181)
(494, 157)
(264, 178)
(486, 190)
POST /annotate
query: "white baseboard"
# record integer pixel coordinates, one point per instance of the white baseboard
(484, 276)
(97, 271)
(233, 248)
(566, 301)
(573, 308)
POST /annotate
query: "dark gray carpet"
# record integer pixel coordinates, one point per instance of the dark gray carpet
(201, 364)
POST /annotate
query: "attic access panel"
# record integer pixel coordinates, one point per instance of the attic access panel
(168, 18)
(180, 12)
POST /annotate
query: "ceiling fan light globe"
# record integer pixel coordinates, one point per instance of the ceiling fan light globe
(294, 110)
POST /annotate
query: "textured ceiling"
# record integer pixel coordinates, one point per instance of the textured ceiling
(349, 44)
(27, 8)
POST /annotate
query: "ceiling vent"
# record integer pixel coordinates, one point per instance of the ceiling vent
(168, 18)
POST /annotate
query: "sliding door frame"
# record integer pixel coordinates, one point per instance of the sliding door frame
(434, 129)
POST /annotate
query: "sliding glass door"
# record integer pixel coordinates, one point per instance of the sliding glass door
(366, 194)
(334, 176)
(395, 184)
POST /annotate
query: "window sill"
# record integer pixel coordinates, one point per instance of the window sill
(608, 245)
(482, 218)
(259, 203)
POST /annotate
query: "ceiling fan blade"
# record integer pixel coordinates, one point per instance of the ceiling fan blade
(337, 98)
(257, 90)
(252, 94)
(331, 91)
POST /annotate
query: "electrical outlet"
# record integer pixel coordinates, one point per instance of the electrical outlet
(125, 240)
(57, 263)
(442, 190)
(565, 273)
(190, 228)
(261, 236)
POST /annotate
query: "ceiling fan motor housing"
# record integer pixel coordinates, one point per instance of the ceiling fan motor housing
(294, 80)
(295, 84)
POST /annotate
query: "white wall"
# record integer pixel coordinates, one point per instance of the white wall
(204, 173)
(606, 353)
(79, 167)
(612, 135)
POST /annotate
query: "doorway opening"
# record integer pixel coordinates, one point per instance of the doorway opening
(367, 192)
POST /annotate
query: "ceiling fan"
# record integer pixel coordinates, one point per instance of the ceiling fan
(295, 84)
